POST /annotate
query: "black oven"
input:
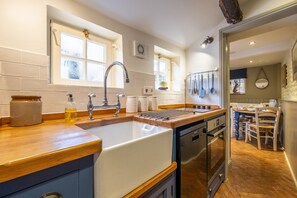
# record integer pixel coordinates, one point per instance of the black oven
(216, 129)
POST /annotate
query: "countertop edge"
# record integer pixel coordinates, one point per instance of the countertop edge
(22, 167)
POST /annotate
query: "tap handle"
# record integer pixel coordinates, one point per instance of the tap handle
(91, 95)
(120, 95)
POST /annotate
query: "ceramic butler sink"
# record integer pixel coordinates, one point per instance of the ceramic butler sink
(133, 153)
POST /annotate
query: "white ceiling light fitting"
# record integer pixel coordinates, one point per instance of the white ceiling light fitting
(207, 41)
(252, 43)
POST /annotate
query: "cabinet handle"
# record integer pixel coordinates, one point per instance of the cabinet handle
(52, 195)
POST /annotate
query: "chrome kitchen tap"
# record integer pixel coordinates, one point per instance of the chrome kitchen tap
(105, 104)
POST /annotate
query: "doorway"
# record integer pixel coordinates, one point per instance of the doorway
(231, 33)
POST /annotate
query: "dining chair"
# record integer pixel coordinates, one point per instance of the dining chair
(266, 126)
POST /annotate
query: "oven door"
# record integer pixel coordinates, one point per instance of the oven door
(215, 150)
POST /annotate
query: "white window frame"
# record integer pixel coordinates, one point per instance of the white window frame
(168, 69)
(56, 30)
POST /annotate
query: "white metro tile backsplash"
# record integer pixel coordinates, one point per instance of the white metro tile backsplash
(25, 73)
(16, 69)
(34, 59)
(10, 55)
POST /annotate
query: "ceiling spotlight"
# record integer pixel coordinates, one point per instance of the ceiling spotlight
(251, 61)
(207, 41)
(252, 43)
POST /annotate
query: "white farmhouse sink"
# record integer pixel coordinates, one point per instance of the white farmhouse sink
(133, 153)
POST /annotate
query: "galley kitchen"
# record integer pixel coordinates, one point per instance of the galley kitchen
(109, 99)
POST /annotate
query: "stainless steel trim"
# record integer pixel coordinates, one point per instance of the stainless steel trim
(216, 133)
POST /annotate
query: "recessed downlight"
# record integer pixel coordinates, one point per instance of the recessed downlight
(251, 61)
(252, 43)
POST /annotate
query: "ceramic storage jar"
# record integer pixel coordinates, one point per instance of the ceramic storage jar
(142, 103)
(132, 104)
(25, 110)
(153, 105)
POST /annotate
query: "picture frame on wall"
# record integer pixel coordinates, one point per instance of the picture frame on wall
(238, 86)
(294, 61)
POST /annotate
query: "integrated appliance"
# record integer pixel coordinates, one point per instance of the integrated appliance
(216, 130)
(191, 157)
(201, 157)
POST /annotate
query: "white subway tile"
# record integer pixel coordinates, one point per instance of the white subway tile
(12, 55)
(16, 69)
(10, 83)
(53, 97)
(34, 59)
(4, 111)
(33, 84)
(53, 108)
(44, 73)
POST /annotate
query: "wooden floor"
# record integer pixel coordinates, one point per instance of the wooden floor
(257, 173)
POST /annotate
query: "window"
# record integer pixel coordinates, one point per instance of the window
(237, 86)
(162, 72)
(78, 58)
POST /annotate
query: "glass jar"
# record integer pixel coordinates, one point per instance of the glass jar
(25, 110)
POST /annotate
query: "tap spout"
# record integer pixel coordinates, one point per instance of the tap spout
(105, 101)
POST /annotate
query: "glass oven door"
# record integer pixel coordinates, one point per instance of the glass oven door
(215, 150)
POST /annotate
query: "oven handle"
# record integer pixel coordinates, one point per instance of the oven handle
(216, 133)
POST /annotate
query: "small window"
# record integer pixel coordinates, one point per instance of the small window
(237, 86)
(78, 58)
(162, 72)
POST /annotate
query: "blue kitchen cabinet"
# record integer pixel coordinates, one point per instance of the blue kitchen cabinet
(69, 180)
(164, 189)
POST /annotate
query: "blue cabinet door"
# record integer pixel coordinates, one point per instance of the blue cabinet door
(164, 189)
(66, 186)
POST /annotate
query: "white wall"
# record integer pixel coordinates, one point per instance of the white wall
(199, 59)
(24, 33)
(205, 59)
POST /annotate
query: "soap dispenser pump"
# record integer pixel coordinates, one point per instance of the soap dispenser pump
(70, 110)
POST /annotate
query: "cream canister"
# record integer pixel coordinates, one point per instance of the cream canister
(142, 103)
(132, 104)
(152, 103)
(25, 110)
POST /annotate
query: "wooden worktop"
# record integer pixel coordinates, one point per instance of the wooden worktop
(25, 150)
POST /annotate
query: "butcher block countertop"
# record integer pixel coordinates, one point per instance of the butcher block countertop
(25, 150)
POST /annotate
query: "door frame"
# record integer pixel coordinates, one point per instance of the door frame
(224, 58)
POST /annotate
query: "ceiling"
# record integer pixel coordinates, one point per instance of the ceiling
(272, 43)
(183, 22)
(180, 22)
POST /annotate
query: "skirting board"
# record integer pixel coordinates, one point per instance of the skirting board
(291, 170)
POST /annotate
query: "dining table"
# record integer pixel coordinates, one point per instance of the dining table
(251, 112)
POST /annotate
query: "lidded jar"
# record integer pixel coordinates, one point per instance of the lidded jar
(25, 110)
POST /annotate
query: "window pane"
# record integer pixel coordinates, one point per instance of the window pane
(95, 72)
(72, 69)
(96, 52)
(155, 65)
(162, 67)
(72, 46)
